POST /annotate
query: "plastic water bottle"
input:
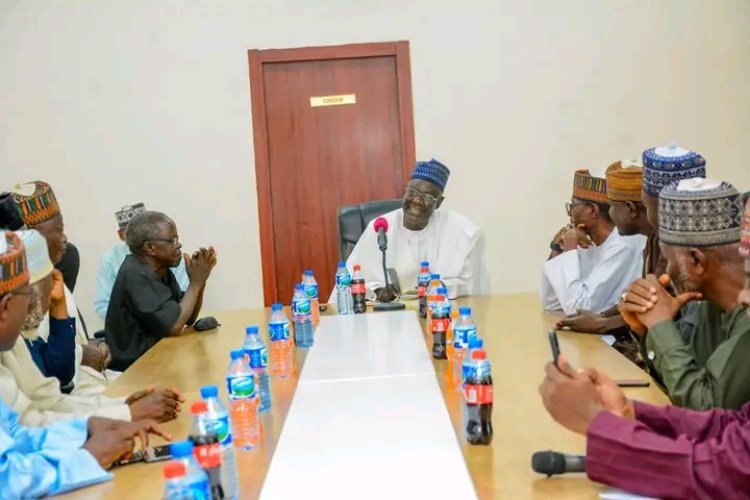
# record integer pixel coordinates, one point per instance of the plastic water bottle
(469, 365)
(359, 291)
(313, 293)
(281, 342)
(465, 328)
(243, 399)
(478, 397)
(440, 322)
(256, 352)
(176, 486)
(195, 479)
(207, 449)
(217, 420)
(450, 350)
(303, 325)
(423, 283)
(432, 293)
(344, 301)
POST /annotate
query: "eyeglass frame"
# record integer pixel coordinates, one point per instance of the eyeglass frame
(172, 241)
(413, 194)
(570, 205)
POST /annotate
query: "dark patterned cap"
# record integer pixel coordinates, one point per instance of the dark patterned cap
(662, 166)
(127, 213)
(432, 171)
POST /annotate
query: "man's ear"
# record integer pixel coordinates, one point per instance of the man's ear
(4, 308)
(632, 209)
(439, 202)
(698, 260)
(148, 248)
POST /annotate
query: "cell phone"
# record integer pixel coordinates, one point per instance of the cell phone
(633, 383)
(555, 346)
(149, 455)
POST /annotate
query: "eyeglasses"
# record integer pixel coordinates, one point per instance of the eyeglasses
(425, 198)
(570, 205)
(174, 241)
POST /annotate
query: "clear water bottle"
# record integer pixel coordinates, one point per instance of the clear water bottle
(281, 342)
(176, 486)
(303, 325)
(256, 352)
(435, 285)
(207, 449)
(344, 300)
(217, 421)
(465, 329)
(423, 283)
(243, 400)
(313, 293)
(195, 478)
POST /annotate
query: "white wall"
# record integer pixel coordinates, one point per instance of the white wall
(116, 102)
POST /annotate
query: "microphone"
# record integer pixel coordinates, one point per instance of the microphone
(381, 226)
(551, 463)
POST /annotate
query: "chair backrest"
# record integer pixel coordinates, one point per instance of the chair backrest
(353, 220)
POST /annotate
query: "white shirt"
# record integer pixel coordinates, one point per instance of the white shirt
(453, 245)
(592, 278)
(38, 400)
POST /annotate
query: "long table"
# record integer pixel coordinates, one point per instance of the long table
(514, 330)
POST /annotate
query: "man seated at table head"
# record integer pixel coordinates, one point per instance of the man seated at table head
(660, 167)
(63, 456)
(115, 256)
(146, 303)
(662, 452)
(419, 231)
(700, 224)
(24, 369)
(40, 210)
(591, 262)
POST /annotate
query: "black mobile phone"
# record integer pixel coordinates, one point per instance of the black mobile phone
(633, 383)
(555, 346)
(149, 455)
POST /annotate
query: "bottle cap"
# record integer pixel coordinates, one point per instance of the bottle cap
(174, 469)
(479, 355)
(181, 449)
(209, 391)
(199, 407)
(357, 267)
(308, 272)
(237, 354)
(277, 307)
(465, 311)
(436, 276)
(251, 330)
(342, 263)
(425, 263)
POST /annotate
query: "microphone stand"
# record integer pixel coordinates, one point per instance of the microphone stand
(387, 306)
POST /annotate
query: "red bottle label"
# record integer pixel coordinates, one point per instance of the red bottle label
(358, 288)
(421, 291)
(440, 325)
(208, 455)
(478, 394)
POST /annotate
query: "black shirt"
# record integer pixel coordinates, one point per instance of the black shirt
(142, 310)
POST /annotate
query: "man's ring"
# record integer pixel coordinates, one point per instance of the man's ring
(624, 297)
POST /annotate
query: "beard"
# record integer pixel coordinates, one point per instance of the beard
(683, 282)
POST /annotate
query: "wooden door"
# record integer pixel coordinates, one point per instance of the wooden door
(332, 126)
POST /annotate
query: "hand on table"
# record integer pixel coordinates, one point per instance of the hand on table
(584, 321)
(159, 405)
(111, 440)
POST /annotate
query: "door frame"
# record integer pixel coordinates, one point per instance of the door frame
(256, 59)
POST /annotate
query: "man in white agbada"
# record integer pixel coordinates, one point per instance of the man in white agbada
(40, 210)
(591, 263)
(38, 399)
(417, 232)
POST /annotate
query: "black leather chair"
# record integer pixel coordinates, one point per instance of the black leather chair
(353, 220)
